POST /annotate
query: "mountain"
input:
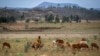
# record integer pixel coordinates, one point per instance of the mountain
(49, 4)
(97, 9)
(9, 12)
(16, 8)
(47, 8)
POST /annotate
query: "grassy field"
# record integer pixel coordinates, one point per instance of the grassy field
(18, 49)
(70, 32)
(65, 27)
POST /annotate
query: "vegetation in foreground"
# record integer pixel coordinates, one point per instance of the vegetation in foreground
(18, 47)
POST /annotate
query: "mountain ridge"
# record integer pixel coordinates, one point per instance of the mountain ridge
(50, 4)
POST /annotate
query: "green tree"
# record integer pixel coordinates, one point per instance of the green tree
(27, 20)
(22, 16)
(77, 19)
(71, 18)
(57, 20)
(7, 19)
(49, 18)
(12, 19)
(65, 19)
(46, 17)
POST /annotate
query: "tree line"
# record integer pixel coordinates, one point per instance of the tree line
(50, 18)
(10, 19)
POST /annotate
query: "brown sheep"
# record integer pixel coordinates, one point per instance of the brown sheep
(84, 46)
(59, 45)
(79, 46)
(94, 45)
(60, 41)
(6, 44)
(76, 46)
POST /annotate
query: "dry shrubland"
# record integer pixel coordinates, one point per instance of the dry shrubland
(71, 32)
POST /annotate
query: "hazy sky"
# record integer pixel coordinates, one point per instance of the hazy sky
(33, 3)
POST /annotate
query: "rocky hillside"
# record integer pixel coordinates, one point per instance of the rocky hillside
(61, 9)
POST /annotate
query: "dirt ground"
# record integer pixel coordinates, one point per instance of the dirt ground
(44, 35)
(69, 33)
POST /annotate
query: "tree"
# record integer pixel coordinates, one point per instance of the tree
(12, 19)
(49, 18)
(91, 9)
(74, 6)
(27, 20)
(22, 16)
(77, 19)
(46, 17)
(57, 20)
(58, 5)
(70, 18)
(26, 25)
(65, 19)
(7, 19)
(3, 20)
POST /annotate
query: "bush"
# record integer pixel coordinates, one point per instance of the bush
(26, 47)
(17, 40)
(7, 19)
(95, 37)
(18, 54)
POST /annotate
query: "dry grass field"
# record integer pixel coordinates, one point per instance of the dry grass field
(70, 32)
(18, 47)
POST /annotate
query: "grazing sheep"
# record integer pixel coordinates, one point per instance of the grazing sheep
(83, 45)
(59, 43)
(79, 46)
(54, 42)
(94, 45)
(6, 44)
(76, 46)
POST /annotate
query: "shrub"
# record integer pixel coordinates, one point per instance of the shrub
(95, 37)
(17, 40)
(18, 54)
(26, 47)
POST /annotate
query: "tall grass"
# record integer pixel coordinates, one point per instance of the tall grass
(22, 48)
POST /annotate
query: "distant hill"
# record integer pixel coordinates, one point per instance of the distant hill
(9, 12)
(49, 4)
(97, 9)
(83, 13)
(67, 9)
(61, 9)
(16, 8)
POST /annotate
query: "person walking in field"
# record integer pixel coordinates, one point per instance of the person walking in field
(38, 40)
(38, 43)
